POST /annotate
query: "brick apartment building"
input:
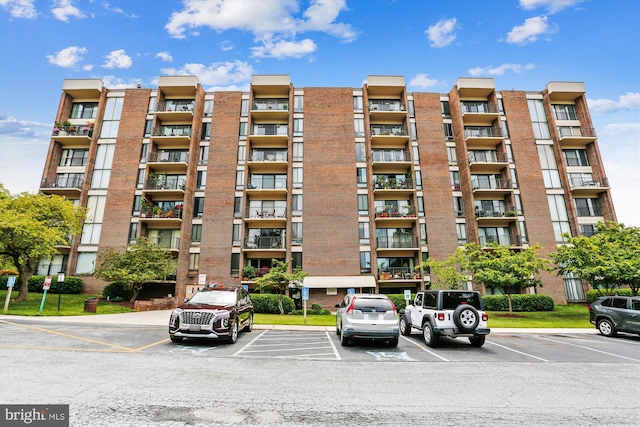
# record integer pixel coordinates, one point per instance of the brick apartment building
(356, 185)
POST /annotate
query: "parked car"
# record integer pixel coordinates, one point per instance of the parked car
(615, 314)
(367, 316)
(216, 311)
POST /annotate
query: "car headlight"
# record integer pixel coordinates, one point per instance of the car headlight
(224, 322)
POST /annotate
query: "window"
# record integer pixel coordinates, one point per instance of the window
(244, 108)
(499, 235)
(358, 104)
(204, 155)
(559, 217)
(102, 168)
(206, 131)
(136, 205)
(455, 180)
(93, 221)
(296, 204)
(242, 154)
(243, 130)
(297, 177)
(365, 262)
(235, 271)
(235, 235)
(577, 157)
(414, 131)
(240, 180)
(208, 107)
(144, 153)
(296, 233)
(538, 119)
(74, 157)
(523, 232)
(152, 105)
(86, 262)
(588, 207)
(198, 207)
(84, 110)
(412, 111)
(461, 230)
(550, 172)
(358, 126)
(111, 119)
(237, 207)
(133, 232)
(565, 111)
(363, 231)
(298, 103)
(298, 127)
(361, 154)
(361, 174)
(423, 234)
(587, 230)
(445, 108)
(451, 155)
(418, 179)
(201, 180)
(194, 263)
(296, 259)
(147, 128)
(416, 154)
(363, 204)
(448, 131)
(298, 151)
(458, 207)
(140, 182)
(581, 180)
(420, 205)
(196, 233)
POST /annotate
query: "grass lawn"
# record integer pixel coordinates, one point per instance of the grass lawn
(70, 305)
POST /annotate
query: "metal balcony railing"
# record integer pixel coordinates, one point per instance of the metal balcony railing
(478, 107)
(576, 132)
(586, 211)
(491, 184)
(279, 182)
(588, 182)
(73, 130)
(487, 157)
(391, 212)
(175, 105)
(62, 182)
(253, 212)
(400, 273)
(169, 184)
(171, 131)
(169, 156)
(501, 239)
(509, 211)
(383, 183)
(397, 242)
(268, 156)
(388, 130)
(264, 242)
(167, 242)
(158, 212)
(275, 104)
(272, 129)
(390, 156)
(482, 132)
(386, 105)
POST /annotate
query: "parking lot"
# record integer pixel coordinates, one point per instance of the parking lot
(501, 346)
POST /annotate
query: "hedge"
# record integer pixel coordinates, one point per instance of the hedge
(268, 303)
(519, 302)
(71, 285)
(118, 291)
(594, 294)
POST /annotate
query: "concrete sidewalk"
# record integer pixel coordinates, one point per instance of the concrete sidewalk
(161, 318)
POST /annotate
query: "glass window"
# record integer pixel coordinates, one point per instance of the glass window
(208, 107)
(358, 104)
(414, 131)
(538, 119)
(152, 104)
(201, 180)
(420, 205)
(86, 262)
(206, 131)
(365, 262)
(296, 233)
(237, 207)
(102, 168)
(298, 151)
(448, 131)
(235, 266)
(196, 233)
(588, 207)
(239, 180)
(111, 118)
(194, 263)
(296, 259)
(361, 174)
(198, 207)
(364, 233)
(84, 110)
(417, 176)
(296, 204)
(298, 103)
(451, 155)
(412, 112)
(243, 130)
(458, 206)
(361, 154)
(461, 230)
(565, 111)
(297, 177)
(455, 180)
(559, 216)
(358, 125)
(298, 127)
(244, 108)
(446, 109)
(235, 232)
(363, 204)
(204, 155)
(136, 205)
(577, 157)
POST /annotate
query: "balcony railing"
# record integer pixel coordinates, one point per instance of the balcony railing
(158, 212)
(392, 184)
(390, 156)
(264, 242)
(478, 107)
(73, 130)
(398, 242)
(267, 184)
(171, 106)
(400, 273)
(171, 131)
(170, 184)
(386, 105)
(62, 182)
(389, 130)
(167, 242)
(487, 157)
(253, 212)
(576, 132)
(482, 132)
(491, 184)
(588, 183)
(400, 212)
(593, 211)
(169, 157)
(273, 129)
(501, 239)
(268, 156)
(270, 104)
(497, 213)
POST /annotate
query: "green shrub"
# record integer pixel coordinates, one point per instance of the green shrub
(321, 312)
(399, 301)
(119, 289)
(71, 285)
(268, 303)
(519, 302)
(594, 294)
(316, 306)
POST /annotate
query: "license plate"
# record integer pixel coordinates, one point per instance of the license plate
(194, 328)
(373, 316)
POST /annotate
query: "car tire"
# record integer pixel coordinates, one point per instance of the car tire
(233, 333)
(477, 341)
(430, 338)
(337, 329)
(466, 318)
(343, 339)
(393, 342)
(405, 327)
(175, 339)
(249, 326)
(606, 328)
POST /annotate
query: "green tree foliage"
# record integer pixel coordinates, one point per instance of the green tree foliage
(608, 259)
(139, 263)
(505, 270)
(31, 225)
(450, 272)
(279, 278)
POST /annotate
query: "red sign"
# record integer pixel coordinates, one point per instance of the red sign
(47, 283)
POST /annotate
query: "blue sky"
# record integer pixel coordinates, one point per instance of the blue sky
(522, 44)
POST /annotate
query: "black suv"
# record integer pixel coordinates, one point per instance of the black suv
(616, 313)
(216, 311)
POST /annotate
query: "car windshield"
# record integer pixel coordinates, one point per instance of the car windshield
(214, 298)
(368, 305)
(450, 300)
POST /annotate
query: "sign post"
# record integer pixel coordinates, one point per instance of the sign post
(46, 285)
(407, 296)
(305, 298)
(60, 280)
(10, 282)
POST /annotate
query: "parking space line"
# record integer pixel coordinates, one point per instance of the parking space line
(516, 351)
(248, 344)
(279, 349)
(425, 349)
(335, 350)
(587, 348)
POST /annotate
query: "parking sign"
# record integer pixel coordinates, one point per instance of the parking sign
(305, 294)
(11, 281)
(47, 283)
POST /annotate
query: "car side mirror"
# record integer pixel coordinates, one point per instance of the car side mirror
(337, 306)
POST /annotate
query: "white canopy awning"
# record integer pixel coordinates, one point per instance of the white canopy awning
(356, 282)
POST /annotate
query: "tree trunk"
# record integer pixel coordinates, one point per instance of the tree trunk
(136, 290)
(25, 273)
(280, 304)
(510, 306)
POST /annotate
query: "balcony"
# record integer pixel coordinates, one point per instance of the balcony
(576, 136)
(491, 186)
(158, 215)
(76, 134)
(168, 187)
(264, 243)
(400, 273)
(496, 217)
(386, 109)
(172, 136)
(170, 243)
(176, 110)
(479, 112)
(586, 187)
(501, 239)
(399, 242)
(169, 161)
(268, 160)
(389, 134)
(62, 185)
(589, 211)
(384, 184)
(487, 161)
(270, 109)
(270, 183)
(269, 135)
(270, 216)
(482, 136)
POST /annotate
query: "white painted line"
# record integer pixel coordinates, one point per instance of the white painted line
(291, 349)
(248, 344)
(424, 348)
(588, 348)
(285, 343)
(335, 350)
(516, 351)
(305, 356)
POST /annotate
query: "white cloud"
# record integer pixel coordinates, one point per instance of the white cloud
(119, 83)
(628, 101)
(118, 59)
(218, 74)
(20, 8)
(226, 46)
(68, 57)
(442, 34)
(64, 9)
(422, 80)
(164, 56)
(284, 49)
(552, 6)
(500, 70)
(321, 15)
(530, 31)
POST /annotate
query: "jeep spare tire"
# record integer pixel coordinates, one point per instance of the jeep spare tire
(466, 317)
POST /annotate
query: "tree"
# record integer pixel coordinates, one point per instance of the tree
(279, 279)
(448, 273)
(608, 259)
(139, 263)
(505, 270)
(31, 225)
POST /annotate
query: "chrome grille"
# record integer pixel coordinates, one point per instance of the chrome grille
(197, 317)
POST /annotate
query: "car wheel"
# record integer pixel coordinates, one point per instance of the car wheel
(393, 342)
(606, 328)
(233, 333)
(337, 329)
(405, 328)
(466, 318)
(343, 339)
(430, 338)
(249, 326)
(477, 341)
(175, 339)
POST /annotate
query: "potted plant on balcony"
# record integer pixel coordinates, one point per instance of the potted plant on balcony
(157, 211)
(145, 208)
(248, 272)
(411, 212)
(510, 213)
